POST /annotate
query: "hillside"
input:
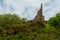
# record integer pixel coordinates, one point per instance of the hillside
(12, 27)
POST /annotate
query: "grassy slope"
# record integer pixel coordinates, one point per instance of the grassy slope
(47, 33)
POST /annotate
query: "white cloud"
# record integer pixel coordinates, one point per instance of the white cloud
(20, 6)
(28, 8)
(52, 8)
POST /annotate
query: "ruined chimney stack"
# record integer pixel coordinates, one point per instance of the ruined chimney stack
(39, 16)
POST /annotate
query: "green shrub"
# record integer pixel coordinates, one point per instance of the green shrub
(55, 21)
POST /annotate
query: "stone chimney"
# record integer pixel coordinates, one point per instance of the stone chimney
(39, 16)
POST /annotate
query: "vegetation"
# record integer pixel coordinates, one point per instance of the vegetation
(55, 21)
(12, 27)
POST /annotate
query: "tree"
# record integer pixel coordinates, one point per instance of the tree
(10, 19)
(23, 20)
(55, 21)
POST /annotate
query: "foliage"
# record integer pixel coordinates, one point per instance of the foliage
(9, 19)
(12, 27)
(55, 21)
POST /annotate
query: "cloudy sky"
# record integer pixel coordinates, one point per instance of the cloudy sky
(28, 8)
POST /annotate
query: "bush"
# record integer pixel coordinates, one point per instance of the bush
(55, 21)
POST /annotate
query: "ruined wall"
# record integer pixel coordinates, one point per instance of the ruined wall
(39, 16)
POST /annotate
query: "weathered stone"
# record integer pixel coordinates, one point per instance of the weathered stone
(39, 16)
